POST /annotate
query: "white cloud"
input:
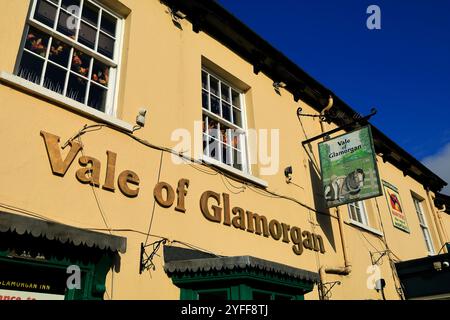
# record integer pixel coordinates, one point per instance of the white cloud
(439, 163)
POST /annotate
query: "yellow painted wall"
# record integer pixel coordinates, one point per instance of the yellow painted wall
(161, 70)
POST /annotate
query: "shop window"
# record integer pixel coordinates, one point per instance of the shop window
(358, 213)
(213, 295)
(423, 225)
(253, 291)
(72, 48)
(237, 292)
(224, 127)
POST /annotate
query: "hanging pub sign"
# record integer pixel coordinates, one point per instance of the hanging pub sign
(395, 207)
(349, 169)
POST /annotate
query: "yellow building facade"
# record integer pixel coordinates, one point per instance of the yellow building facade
(80, 174)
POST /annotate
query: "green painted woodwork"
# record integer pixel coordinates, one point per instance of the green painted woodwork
(240, 284)
(93, 263)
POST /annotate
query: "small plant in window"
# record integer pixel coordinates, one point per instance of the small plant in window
(36, 44)
(101, 77)
(100, 73)
(57, 50)
(79, 63)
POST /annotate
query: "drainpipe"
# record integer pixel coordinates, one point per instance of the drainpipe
(347, 268)
(437, 221)
(327, 108)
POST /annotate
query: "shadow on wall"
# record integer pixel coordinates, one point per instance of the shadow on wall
(324, 220)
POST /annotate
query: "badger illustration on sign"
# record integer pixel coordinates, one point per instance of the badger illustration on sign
(340, 187)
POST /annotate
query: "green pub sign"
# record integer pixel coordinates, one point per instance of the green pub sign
(349, 169)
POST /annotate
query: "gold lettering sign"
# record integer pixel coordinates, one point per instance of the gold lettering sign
(89, 173)
(214, 209)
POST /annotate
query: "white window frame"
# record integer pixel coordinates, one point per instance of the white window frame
(246, 168)
(363, 212)
(424, 225)
(114, 64)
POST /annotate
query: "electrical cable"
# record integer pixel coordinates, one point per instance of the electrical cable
(154, 200)
(391, 262)
(196, 247)
(27, 212)
(92, 181)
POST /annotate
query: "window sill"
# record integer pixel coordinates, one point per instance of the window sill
(64, 102)
(366, 228)
(235, 172)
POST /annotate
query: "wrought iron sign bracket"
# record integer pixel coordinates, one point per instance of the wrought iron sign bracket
(375, 257)
(328, 286)
(355, 122)
(146, 260)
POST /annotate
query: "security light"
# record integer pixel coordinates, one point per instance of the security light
(279, 84)
(140, 119)
(288, 173)
(177, 15)
(180, 15)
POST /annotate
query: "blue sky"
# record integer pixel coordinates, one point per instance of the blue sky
(403, 69)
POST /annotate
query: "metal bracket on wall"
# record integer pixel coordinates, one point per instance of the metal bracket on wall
(375, 257)
(354, 123)
(327, 287)
(146, 260)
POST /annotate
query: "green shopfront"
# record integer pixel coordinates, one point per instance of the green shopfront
(204, 276)
(42, 260)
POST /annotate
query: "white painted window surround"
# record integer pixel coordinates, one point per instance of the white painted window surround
(73, 48)
(62, 101)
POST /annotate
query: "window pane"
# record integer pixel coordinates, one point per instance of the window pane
(81, 63)
(106, 46)
(237, 159)
(213, 128)
(235, 140)
(237, 117)
(226, 154)
(100, 73)
(427, 238)
(226, 93)
(226, 111)
(37, 42)
(205, 144)
(214, 148)
(31, 67)
(205, 80)
(45, 13)
(68, 3)
(236, 99)
(351, 209)
(55, 77)
(87, 35)
(205, 102)
(109, 24)
(97, 97)
(76, 89)
(215, 105)
(224, 134)
(90, 13)
(59, 53)
(205, 123)
(67, 24)
(214, 85)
